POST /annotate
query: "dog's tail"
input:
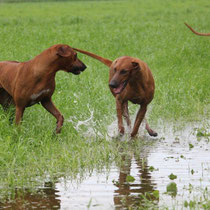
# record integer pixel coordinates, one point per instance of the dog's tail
(195, 32)
(103, 60)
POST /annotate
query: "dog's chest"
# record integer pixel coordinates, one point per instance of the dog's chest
(134, 95)
(137, 100)
(36, 97)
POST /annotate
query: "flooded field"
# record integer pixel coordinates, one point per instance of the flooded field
(172, 170)
(87, 166)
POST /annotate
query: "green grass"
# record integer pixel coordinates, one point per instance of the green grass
(151, 30)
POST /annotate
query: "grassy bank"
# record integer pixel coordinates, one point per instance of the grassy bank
(152, 30)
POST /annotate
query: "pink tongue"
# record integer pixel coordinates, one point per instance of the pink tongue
(118, 89)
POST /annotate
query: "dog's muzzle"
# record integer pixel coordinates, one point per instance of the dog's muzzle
(113, 84)
(117, 87)
(78, 69)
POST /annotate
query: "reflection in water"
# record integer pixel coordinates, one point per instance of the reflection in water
(45, 198)
(128, 193)
(95, 192)
(172, 153)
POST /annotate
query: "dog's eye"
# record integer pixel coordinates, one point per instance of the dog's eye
(123, 72)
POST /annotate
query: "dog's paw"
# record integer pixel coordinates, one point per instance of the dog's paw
(153, 133)
(122, 131)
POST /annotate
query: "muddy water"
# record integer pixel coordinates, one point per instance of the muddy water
(177, 151)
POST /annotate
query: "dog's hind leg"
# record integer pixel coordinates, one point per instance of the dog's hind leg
(6, 100)
(19, 114)
(140, 116)
(149, 130)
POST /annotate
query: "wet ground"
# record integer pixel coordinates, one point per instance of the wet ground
(183, 153)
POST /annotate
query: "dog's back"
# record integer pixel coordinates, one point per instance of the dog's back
(8, 72)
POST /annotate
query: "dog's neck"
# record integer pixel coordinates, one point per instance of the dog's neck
(45, 64)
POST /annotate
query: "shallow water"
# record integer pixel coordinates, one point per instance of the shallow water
(177, 151)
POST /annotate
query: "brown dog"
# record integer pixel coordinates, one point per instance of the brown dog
(27, 83)
(195, 32)
(130, 79)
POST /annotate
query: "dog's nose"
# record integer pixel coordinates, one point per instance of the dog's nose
(83, 67)
(113, 84)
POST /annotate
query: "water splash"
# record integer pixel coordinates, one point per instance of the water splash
(87, 127)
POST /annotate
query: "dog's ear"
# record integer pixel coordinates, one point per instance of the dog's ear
(136, 65)
(64, 51)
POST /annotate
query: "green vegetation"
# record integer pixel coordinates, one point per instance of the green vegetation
(172, 176)
(172, 188)
(151, 30)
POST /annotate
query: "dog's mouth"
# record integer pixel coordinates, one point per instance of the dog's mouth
(78, 70)
(120, 87)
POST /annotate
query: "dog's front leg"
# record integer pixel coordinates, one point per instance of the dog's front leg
(50, 107)
(126, 114)
(119, 107)
(140, 116)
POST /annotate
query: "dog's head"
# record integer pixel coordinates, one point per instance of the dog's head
(68, 61)
(121, 71)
